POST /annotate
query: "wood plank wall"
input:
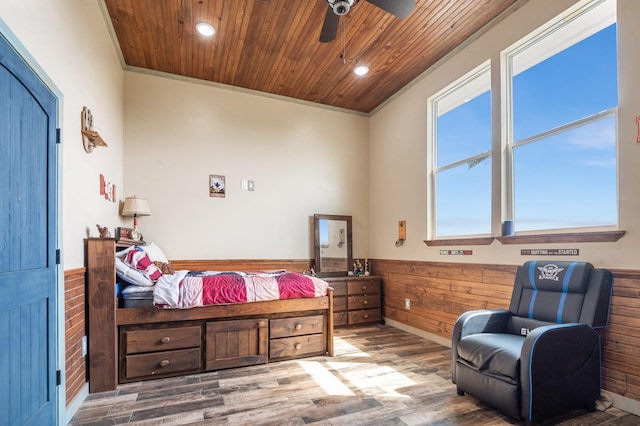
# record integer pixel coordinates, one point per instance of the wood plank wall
(74, 328)
(295, 265)
(440, 292)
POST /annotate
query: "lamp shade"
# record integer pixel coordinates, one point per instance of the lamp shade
(135, 206)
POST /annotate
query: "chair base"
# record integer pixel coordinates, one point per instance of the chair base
(500, 394)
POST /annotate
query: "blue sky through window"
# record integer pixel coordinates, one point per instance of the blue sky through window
(575, 83)
(568, 179)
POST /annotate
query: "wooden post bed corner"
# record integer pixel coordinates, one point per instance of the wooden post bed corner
(132, 344)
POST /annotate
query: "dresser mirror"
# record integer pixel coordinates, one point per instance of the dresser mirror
(333, 245)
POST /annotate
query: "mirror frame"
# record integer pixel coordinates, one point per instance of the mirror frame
(318, 264)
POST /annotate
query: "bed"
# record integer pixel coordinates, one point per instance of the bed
(184, 334)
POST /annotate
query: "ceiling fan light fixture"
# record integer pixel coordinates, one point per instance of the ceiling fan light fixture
(341, 7)
(205, 29)
(361, 70)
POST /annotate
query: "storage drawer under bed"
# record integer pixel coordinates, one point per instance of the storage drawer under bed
(160, 352)
(162, 339)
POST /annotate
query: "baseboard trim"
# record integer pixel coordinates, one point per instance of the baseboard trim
(76, 403)
(623, 403)
(429, 336)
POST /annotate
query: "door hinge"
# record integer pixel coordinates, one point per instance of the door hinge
(57, 256)
(58, 377)
(58, 136)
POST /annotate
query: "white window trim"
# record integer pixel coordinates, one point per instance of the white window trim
(472, 91)
(557, 35)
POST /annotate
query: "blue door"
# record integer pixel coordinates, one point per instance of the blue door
(27, 245)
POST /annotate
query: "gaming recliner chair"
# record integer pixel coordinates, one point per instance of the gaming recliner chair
(542, 356)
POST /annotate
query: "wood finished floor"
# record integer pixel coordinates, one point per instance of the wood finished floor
(379, 376)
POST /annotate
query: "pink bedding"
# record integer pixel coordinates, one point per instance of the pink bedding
(185, 290)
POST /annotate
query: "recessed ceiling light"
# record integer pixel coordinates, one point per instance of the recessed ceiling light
(205, 29)
(361, 70)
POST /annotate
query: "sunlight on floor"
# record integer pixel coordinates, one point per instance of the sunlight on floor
(344, 349)
(369, 379)
(344, 378)
(325, 379)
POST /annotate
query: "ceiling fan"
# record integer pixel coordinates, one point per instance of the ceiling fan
(337, 8)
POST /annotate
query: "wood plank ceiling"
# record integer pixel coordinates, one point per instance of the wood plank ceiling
(272, 46)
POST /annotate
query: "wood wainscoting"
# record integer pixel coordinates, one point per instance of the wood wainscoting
(251, 265)
(74, 329)
(441, 291)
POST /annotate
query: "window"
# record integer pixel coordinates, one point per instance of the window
(558, 120)
(561, 120)
(460, 157)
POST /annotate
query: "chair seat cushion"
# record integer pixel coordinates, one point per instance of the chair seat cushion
(492, 353)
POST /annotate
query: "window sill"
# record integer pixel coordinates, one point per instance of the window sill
(479, 241)
(569, 237)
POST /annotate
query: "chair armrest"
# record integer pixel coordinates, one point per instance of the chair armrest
(554, 359)
(480, 321)
(474, 322)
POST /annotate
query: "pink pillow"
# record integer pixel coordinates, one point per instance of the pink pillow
(139, 260)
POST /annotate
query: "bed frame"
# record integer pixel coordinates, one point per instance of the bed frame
(132, 344)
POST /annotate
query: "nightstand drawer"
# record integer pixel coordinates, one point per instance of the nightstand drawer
(297, 346)
(340, 318)
(160, 363)
(339, 304)
(365, 316)
(363, 287)
(339, 288)
(298, 326)
(363, 302)
(138, 341)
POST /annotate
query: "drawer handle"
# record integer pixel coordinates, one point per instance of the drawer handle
(364, 287)
(365, 302)
(366, 316)
(261, 324)
(298, 326)
(164, 363)
(297, 346)
(165, 339)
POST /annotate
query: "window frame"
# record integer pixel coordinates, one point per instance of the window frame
(468, 79)
(502, 157)
(568, 37)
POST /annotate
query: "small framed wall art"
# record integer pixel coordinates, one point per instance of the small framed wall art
(216, 186)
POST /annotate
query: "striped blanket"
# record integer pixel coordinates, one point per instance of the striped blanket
(184, 289)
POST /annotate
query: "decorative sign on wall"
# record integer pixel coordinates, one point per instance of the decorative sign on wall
(549, 252)
(107, 189)
(456, 252)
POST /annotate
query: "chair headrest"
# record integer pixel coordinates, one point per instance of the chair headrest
(563, 277)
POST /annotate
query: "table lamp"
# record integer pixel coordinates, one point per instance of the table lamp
(135, 206)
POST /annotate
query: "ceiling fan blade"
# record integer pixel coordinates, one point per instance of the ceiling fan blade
(399, 8)
(329, 27)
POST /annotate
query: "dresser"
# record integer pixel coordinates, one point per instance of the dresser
(356, 300)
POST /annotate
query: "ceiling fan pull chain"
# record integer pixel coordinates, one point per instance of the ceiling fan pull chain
(344, 43)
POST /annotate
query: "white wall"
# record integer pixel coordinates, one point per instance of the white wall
(68, 39)
(398, 155)
(302, 159)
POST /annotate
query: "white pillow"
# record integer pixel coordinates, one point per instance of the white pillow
(131, 275)
(131, 289)
(155, 253)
